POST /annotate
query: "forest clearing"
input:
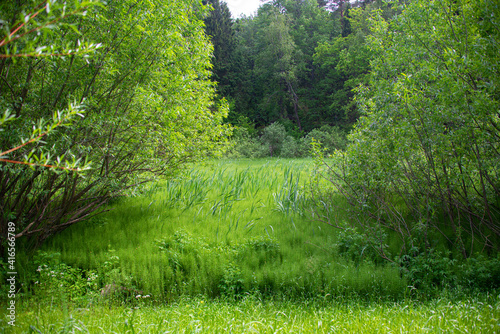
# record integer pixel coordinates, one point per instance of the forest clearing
(317, 166)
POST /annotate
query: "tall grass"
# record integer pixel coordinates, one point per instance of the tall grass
(253, 316)
(227, 228)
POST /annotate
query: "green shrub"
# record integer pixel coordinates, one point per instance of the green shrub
(273, 137)
(480, 273)
(55, 279)
(331, 138)
(290, 148)
(232, 283)
(356, 247)
(246, 145)
(428, 271)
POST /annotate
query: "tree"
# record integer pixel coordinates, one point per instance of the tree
(342, 65)
(22, 39)
(273, 137)
(274, 65)
(219, 26)
(423, 159)
(149, 110)
(27, 38)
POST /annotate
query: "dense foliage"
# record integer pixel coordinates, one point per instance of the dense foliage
(294, 62)
(145, 94)
(423, 161)
(99, 98)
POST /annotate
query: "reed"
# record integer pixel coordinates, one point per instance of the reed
(197, 235)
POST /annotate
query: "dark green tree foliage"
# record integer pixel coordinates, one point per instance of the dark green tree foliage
(276, 50)
(243, 111)
(298, 62)
(342, 64)
(345, 24)
(219, 27)
(276, 64)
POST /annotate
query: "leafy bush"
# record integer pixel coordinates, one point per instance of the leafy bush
(331, 138)
(423, 158)
(356, 247)
(246, 145)
(145, 115)
(273, 137)
(232, 283)
(290, 148)
(56, 279)
(428, 271)
(480, 273)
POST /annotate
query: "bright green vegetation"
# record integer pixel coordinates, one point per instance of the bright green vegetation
(423, 160)
(252, 316)
(230, 228)
(392, 227)
(228, 246)
(138, 72)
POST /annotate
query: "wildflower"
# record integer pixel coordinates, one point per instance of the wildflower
(138, 296)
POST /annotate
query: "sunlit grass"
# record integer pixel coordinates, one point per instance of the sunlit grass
(253, 316)
(232, 247)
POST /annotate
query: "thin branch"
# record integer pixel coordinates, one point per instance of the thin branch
(39, 165)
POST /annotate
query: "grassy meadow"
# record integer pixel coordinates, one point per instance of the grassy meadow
(232, 246)
(228, 228)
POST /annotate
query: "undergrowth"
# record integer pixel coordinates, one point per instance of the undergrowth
(229, 228)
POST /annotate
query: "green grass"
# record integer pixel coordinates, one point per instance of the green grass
(253, 316)
(229, 247)
(230, 227)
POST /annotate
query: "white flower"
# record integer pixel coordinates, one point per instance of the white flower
(138, 296)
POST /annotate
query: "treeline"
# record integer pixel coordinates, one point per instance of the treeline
(294, 62)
